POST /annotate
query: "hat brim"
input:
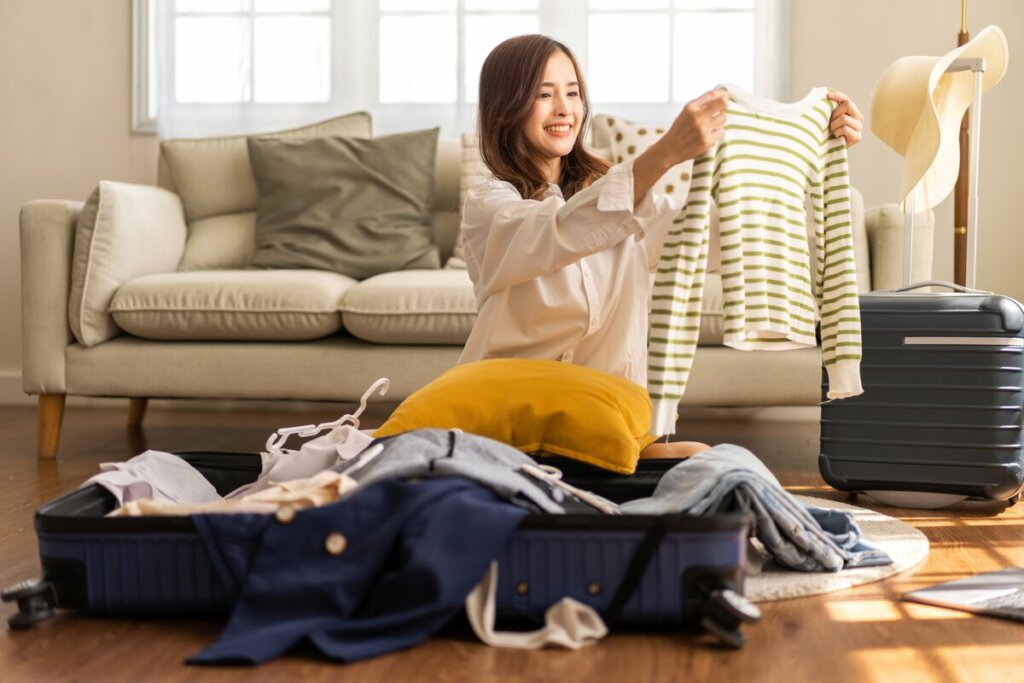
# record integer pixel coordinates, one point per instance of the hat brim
(917, 107)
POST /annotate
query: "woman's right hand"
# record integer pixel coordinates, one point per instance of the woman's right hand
(699, 125)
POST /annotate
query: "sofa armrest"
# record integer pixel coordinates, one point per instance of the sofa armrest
(884, 225)
(47, 244)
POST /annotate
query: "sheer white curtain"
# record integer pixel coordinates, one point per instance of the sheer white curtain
(244, 66)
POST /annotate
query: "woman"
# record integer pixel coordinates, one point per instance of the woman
(559, 245)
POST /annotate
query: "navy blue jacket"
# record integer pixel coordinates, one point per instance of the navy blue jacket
(412, 551)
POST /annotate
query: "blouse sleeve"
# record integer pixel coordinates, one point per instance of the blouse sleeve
(509, 240)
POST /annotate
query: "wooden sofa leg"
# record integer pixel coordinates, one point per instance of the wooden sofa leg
(51, 415)
(136, 412)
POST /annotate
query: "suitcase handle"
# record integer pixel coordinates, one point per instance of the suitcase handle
(937, 283)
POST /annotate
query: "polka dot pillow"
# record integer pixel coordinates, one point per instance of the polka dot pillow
(628, 140)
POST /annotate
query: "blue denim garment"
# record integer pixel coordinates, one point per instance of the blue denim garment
(414, 550)
(729, 477)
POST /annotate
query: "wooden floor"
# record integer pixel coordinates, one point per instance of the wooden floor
(862, 634)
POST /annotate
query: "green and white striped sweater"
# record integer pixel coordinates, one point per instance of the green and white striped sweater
(771, 158)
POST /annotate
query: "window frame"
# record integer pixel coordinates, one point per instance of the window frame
(355, 69)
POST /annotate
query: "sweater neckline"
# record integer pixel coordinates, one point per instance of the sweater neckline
(774, 107)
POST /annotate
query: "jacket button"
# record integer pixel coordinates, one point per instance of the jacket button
(285, 514)
(594, 588)
(336, 543)
(522, 588)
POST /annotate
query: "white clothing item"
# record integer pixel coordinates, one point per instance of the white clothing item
(316, 455)
(321, 489)
(568, 623)
(565, 280)
(773, 158)
(154, 474)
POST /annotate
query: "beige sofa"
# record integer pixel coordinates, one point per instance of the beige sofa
(407, 325)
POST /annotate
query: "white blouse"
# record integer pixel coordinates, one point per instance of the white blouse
(565, 280)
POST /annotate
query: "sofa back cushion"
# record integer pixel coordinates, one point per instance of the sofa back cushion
(124, 231)
(213, 177)
(354, 206)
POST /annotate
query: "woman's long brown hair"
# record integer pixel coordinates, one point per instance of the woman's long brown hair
(509, 80)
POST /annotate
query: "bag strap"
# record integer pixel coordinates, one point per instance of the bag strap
(637, 565)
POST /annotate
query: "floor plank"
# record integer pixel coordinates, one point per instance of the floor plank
(863, 634)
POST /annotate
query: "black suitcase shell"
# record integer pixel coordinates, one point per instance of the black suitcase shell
(941, 410)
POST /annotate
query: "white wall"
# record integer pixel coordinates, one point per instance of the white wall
(65, 88)
(65, 117)
(850, 50)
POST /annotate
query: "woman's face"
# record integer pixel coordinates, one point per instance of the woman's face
(557, 114)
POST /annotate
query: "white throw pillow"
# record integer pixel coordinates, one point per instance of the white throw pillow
(124, 231)
(472, 170)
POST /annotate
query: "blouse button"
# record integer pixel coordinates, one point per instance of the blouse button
(684, 176)
(335, 543)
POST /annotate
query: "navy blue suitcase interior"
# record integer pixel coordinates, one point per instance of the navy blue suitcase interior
(941, 411)
(159, 566)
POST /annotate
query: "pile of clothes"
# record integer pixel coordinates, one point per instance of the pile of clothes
(362, 547)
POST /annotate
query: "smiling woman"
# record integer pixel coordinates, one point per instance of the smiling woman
(559, 244)
(531, 88)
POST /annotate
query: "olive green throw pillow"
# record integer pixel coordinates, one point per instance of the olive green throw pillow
(354, 206)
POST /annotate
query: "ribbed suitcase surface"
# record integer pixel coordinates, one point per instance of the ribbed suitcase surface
(941, 410)
(159, 565)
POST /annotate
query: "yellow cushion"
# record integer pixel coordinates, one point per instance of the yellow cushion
(536, 406)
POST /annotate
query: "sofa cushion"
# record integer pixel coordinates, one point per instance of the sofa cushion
(220, 242)
(712, 315)
(537, 406)
(232, 305)
(411, 307)
(354, 206)
(124, 231)
(213, 175)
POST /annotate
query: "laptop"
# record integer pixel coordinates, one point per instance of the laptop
(996, 594)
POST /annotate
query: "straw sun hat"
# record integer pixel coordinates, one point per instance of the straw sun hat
(916, 109)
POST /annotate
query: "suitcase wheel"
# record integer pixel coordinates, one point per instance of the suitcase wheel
(724, 612)
(35, 600)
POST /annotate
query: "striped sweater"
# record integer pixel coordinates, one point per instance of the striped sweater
(771, 158)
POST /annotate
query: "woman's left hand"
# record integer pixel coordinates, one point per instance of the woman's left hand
(847, 121)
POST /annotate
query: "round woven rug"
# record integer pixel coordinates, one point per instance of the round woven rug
(903, 543)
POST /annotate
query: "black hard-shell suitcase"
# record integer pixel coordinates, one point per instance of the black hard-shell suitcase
(159, 566)
(941, 412)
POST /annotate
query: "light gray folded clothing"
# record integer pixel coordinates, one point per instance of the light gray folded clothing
(729, 477)
(443, 452)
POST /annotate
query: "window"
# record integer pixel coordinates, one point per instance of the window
(248, 65)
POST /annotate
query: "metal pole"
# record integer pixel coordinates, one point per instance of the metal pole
(960, 201)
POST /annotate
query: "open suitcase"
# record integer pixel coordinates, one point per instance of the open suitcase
(942, 411)
(647, 572)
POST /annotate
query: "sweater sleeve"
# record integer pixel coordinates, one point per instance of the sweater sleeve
(675, 300)
(836, 273)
